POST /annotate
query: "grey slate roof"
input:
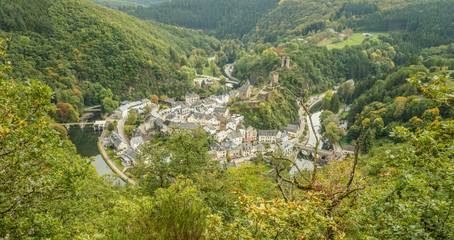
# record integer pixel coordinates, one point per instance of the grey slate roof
(130, 155)
(268, 132)
(246, 146)
(216, 147)
(233, 135)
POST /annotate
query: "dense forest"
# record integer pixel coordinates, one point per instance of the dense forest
(79, 48)
(224, 19)
(316, 68)
(115, 4)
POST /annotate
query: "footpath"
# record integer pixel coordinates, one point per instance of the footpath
(109, 161)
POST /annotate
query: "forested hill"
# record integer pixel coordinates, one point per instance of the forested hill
(76, 46)
(225, 19)
(115, 4)
(301, 17)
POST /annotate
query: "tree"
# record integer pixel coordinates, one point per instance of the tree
(176, 212)
(183, 153)
(111, 127)
(66, 113)
(332, 133)
(38, 176)
(132, 117)
(164, 97)
(154, 98)
(412, 194)
(334, 103)
(326, 101)
(431, 115)
(105, 93)
(222, 80)
(325, 115)
(367, 141)
(108, 105)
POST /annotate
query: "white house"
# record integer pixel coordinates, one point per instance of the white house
(267, 136)
(231, 125)
(220, 136)
(235, 137)
(246, 149)
(113, 139)
(136, 142)
(212, 120)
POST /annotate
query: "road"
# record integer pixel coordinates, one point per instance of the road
(312, 100)
(121, 130)
(109, 161)
(228, 69)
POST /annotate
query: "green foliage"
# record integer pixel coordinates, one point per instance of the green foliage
(257, 218)
(105, 46)
(42, 182)
(115, 4)
(225, 19)
(316, 69)
(412, 195)
(431, 26)
(332, 133)
(177, 212)
(132, 117)
(183, 153)
(108, 105)
(65, 113)
(278, 111)
(111, 126)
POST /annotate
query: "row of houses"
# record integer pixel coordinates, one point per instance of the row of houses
(232, 137)
(128, 155)
(126, 106)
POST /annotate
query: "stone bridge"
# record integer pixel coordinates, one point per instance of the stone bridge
(98, 125)
(327, 154)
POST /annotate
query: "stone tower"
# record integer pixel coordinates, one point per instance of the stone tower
(285, 62)
(274, 78)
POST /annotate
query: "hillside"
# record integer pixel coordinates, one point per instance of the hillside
(115, 4)
(224, 19)
(293, 18)
(73, 46)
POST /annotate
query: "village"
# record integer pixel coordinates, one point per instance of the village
(234, 142)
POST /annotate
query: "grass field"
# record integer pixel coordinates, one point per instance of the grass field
(119, 165)
(354, 39)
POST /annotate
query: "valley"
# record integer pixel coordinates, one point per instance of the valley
(205, 119)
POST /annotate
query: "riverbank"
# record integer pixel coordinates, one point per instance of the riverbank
(109, 161)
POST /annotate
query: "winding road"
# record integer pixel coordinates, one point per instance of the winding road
(109, 161)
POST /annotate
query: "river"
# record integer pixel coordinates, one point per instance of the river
(316, 120)
(86, 141)
(306, 164)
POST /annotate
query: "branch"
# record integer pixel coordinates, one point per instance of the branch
(293, 164)
(281, 189)
(355, 161)
(314, 172)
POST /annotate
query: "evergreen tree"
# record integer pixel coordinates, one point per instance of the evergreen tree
(367, 141)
